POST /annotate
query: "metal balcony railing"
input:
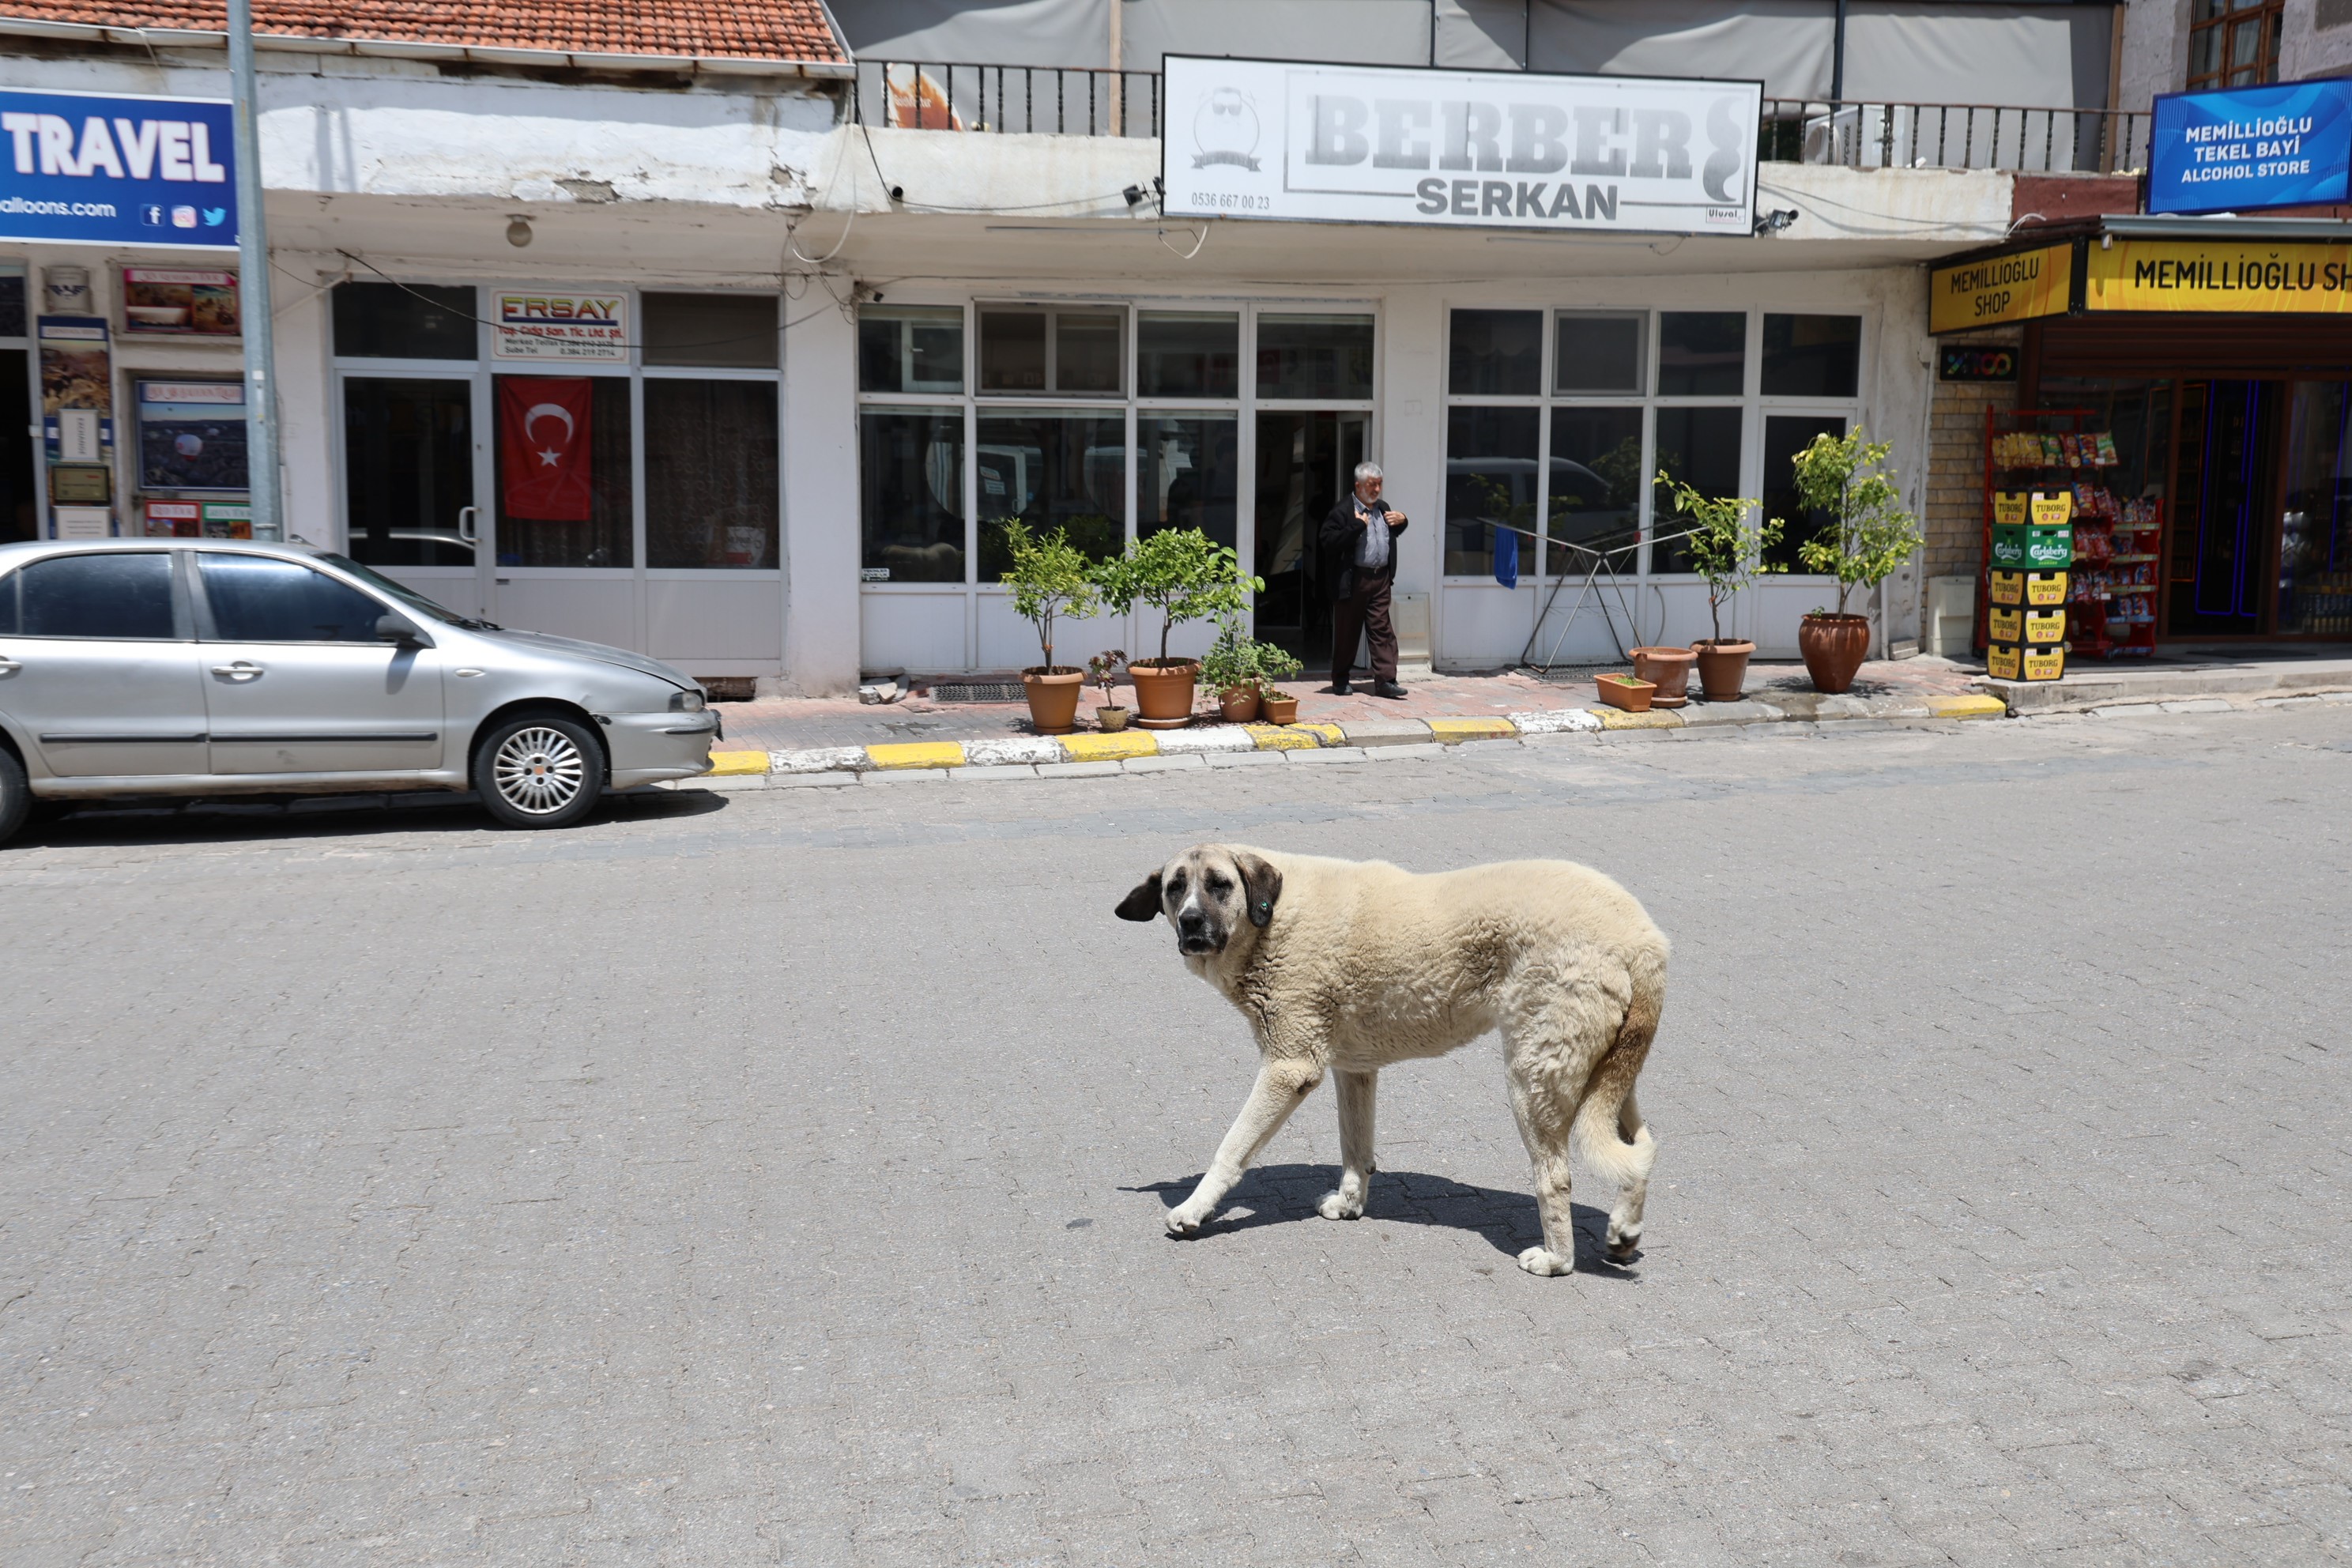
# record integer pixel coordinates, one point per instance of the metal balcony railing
(1045, 101)
(1953, 136)
(1070, 100)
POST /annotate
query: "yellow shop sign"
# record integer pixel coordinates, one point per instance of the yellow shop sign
(2219, 275)
(2013, 288)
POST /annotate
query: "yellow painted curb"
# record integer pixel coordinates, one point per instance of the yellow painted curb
(1618, 719)
(917, 754)
(1287, 737)
(736, 765)
(1453, 731)
(1967, 707)
(1110, 748)
(1332, 734)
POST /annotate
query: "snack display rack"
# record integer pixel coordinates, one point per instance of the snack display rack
(2112, 587)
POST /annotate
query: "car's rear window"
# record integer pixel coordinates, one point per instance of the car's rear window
(116, 595)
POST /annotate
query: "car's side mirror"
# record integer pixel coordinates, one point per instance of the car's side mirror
(401, 630)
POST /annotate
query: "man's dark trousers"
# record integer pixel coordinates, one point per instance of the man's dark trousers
(1364, 610)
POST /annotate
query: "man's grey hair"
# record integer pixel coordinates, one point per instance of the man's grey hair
(1368, 471)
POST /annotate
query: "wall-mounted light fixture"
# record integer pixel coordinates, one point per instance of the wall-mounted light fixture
(1776, 220)
(518, 231)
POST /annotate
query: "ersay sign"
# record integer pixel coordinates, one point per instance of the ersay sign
(1329, 143)
(117, 169)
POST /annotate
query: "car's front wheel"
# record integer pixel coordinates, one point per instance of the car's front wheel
(539, 770)
(16, 795)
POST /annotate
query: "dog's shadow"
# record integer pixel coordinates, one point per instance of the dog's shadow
(1278, 1194)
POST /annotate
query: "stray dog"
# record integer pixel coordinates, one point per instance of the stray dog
(1349, 965)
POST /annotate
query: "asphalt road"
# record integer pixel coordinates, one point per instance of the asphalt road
(779, 1177)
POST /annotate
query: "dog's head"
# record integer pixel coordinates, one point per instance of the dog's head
(1208, 893)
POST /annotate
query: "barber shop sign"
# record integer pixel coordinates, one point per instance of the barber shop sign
(1270, 139)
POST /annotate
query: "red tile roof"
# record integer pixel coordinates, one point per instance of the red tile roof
(796, 31)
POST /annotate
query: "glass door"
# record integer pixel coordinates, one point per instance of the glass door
(1305, 463)
(2314, 592)
(2224, 526)
(563, 519)
(409, 502)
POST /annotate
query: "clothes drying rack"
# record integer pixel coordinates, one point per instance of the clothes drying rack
(1594, 559)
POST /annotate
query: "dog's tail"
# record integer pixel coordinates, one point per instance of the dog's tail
(1608, 1128)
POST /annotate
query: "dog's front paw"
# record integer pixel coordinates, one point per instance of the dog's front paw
(1625, 1245)
(1185, 1221)
(1340, 1206)
(1536, 1260)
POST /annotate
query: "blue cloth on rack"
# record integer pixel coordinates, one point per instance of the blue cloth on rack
(1507, 556)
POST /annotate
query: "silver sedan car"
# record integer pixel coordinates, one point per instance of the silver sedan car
(198, 667)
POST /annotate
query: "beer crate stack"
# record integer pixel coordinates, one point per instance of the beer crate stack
(2032, 554)
(2070, 569)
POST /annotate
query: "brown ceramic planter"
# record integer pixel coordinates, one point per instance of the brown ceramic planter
(1240, 704)
(1834, 648)
(1111, 717)
(1668, 669)
(1053, 696)
(1722, 668)
(1277, 708)
(1625, 691)
(1163, 692)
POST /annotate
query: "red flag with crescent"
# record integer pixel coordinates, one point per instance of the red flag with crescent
(543, 447)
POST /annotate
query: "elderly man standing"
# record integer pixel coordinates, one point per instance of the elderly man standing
(1360, 562)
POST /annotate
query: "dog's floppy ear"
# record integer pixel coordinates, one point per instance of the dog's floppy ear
(1143, 903)
(1262, 882)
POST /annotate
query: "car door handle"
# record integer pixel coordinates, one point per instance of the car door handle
(243, 669)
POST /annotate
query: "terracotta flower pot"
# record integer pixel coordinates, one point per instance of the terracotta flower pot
(1240, 704)
(1163, 692)
(1111, 717)
(1722, 668)
(1625, 691)
(1834, 647)
(1053, 696)
(1278, 709)
(1667, 669)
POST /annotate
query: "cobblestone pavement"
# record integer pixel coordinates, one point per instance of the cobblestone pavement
(778, 1178)
(788, 723)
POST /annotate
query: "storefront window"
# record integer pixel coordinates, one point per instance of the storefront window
(1496, 353)
(1188, 475)
(1599, 354)
(1062, 351)
(408, 469)
(1187, 354)
(711, 474)
(1700, 446)
(710, 330)
(2316, 542)
(564, 478)
(1490, 484)
(1314, 357)
(910, 494)
(397, 320)
(902, 349)
(1812, 356)
(1595, 496)
(1785, 436)
(1051, 470)
(1702, 354)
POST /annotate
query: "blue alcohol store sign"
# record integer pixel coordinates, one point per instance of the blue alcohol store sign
(82, 168)
(2251, 147)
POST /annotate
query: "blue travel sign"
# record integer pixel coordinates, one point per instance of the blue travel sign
(88, 169)
(2248, 148)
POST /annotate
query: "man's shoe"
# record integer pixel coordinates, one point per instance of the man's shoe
(1339, 688)
(1387, 688)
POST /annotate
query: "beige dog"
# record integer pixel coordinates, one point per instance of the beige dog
(1349, 965)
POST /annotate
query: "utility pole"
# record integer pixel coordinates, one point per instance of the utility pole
(253, 283)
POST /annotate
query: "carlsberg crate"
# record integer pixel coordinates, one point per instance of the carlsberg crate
(2030, 547)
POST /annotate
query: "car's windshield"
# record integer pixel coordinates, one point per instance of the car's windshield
(406, 594)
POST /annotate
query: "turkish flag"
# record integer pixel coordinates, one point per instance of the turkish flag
(543, 447)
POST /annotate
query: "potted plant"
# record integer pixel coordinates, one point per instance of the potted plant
(1049, 577)
(1629, 692)
(1230, 670)
(1101, 669)
(1869, 536)
(1186, 576)
(1273, 665)
(1728, 552)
